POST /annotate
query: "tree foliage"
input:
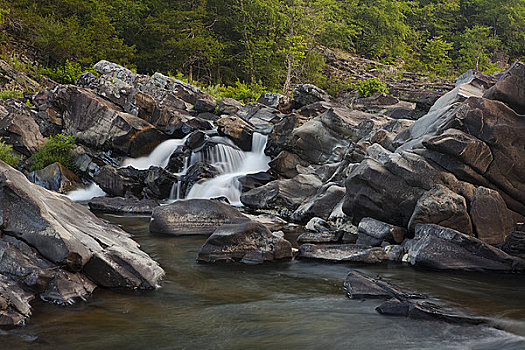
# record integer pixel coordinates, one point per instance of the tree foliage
(274, 42)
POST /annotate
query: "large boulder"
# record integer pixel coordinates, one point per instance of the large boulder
(509, 88)
(305, 94)
(248, 242)
(120, 205)
(442, 248)
(58, 251)
(238, 130)
(99, 123)
(373, 233)
(193, 217)
(55, 177)
(442, 207)
(321, 205)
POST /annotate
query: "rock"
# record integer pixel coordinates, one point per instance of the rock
(361, 286)
(19, 128)
(273, 100)
(122, 205)
(99, 123)
(121, 182)
(424, 310)
(424, 103)
(288, 193)
(70, 236)
(442, 207)
(193, 217)
(286, 164)
(305, 94)
(248, 242)
(394, 252)
(320, 205)
(509, 88)
(251, 181)
(318, 225)
(238, 130)
(342, 253)
(14, 303)
(515, 244)
(321, 237)
(55, 177)
(379, 99)
(373, 233)
(229, 106)
(492, 220)
(446, 249)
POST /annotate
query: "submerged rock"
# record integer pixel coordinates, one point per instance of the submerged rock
(193, 217)
(248, 242)
(361, 286)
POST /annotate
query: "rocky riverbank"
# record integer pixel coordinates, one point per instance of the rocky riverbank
(370, 183)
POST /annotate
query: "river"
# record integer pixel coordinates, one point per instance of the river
(288, 305)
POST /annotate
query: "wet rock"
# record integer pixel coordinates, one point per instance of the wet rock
(515, 244)
(446, 249)
(55, 177)
(424, 310)
(193, 217)
(159, 183)
(14, 303)
(121, 182)
(394, 252)
(373, 233)
(442, 207)
(120, 205)
(492, 219)
(251, 181)
(229, 106)
(19, 128)
(248, 242)
(361, 286)
(305, 94)
(69, 235)
(288, 193)
(342, 253)
(238, 130)
(509, 88)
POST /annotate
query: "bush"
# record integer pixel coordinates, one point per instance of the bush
(243, 92)
(65, 74)
(8, 94)
(368, 87)
(6, 155)
(56, 149)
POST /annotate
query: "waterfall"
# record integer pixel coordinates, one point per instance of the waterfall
(159, 157)
(86, 194)
(232, 164)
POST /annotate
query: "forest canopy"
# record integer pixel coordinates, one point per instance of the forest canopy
(270, 42)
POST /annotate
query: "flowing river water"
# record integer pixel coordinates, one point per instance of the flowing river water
(286, 305)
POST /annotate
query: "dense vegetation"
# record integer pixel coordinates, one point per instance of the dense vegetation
(269, 42)
(56, 149)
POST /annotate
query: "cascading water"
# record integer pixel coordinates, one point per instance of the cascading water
(232, 164)
(159, 157)
(86, 194)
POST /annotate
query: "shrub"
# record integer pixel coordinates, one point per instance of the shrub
(6, 154)
(68, 73)
(243, 92)
(368, 87)
(8, 94)
(56, 149)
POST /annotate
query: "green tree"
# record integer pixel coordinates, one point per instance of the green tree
(436, 56)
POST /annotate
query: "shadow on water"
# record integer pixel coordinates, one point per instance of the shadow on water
(286, 305)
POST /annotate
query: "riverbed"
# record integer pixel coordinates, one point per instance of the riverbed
(286, 305)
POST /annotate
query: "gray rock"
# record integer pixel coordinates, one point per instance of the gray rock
(492, 219)
(19, 128)
(515, 244)
(442, 207)
(321, 205)
(305, 94)
(321, 237)
(446, 249)
(55, 177)
(229, 106)
(238, 130)
(122, 205)
(248, 242)
(373, 232)
(69, 235)
(361, 286)
(342, 253)
(193, 217)
(509, 88)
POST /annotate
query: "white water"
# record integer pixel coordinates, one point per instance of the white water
(86, 194)
(159, 157)
(232, 164)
